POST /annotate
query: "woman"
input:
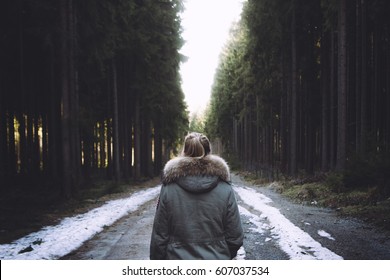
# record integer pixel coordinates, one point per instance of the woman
(197, 215)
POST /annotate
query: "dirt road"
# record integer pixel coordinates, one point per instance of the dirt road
(128, 238)
(279, 230)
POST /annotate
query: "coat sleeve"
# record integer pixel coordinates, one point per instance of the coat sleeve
(234, 234)
(160, 234)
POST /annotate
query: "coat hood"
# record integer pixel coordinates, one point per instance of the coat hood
(196, 174)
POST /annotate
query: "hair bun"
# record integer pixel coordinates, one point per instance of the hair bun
(196, 145)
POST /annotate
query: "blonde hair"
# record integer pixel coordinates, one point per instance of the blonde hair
(196, 145)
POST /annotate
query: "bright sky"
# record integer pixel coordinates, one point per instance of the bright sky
(206, 25)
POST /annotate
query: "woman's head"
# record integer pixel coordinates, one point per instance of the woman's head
(196, 145)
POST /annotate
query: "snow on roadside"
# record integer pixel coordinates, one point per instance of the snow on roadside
(292, 240)
(53, 242)
(253, 219)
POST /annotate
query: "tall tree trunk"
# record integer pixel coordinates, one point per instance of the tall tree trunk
(333, 105)
(65, 102)
(245, 153)
(294, 89)
(358, 69)
(22, 158)
(53, 119)
(148, 147)
(30, 142)
(45, 146)
(325, 92)
(126, 122)
(115, 124)
(12, 160)
(37, 162)
(258, 146)
(109, 139)
(364, 81)
(137, 140)
(284, 116)
(376, 92)
(22, 125)
(158, 161)
(126, 140)
(102, 144)
(74, 100)
(342, 87)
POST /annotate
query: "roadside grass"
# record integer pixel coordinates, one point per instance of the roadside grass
(363, 203)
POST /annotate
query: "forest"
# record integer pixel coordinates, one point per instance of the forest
(89, 90)
(303, 89)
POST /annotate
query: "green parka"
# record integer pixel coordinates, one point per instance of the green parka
(197, 215)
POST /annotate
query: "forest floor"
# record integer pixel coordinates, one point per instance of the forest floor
(364, 203)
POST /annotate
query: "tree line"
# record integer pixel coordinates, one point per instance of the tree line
(88, 89)
(303, 87)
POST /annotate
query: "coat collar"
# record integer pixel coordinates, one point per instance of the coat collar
(210, 165)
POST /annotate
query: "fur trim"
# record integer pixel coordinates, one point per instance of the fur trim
(210, 165)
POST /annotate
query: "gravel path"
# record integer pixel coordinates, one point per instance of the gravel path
(349, 238)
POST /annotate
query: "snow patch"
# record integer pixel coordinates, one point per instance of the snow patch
(53, 242)
(241, 254)
(253, 219)
(325, 234)
(292, 240)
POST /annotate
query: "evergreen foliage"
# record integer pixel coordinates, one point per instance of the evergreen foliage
(88, 88)
(304, 87)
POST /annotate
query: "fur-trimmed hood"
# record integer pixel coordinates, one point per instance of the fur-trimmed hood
(196, 174)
